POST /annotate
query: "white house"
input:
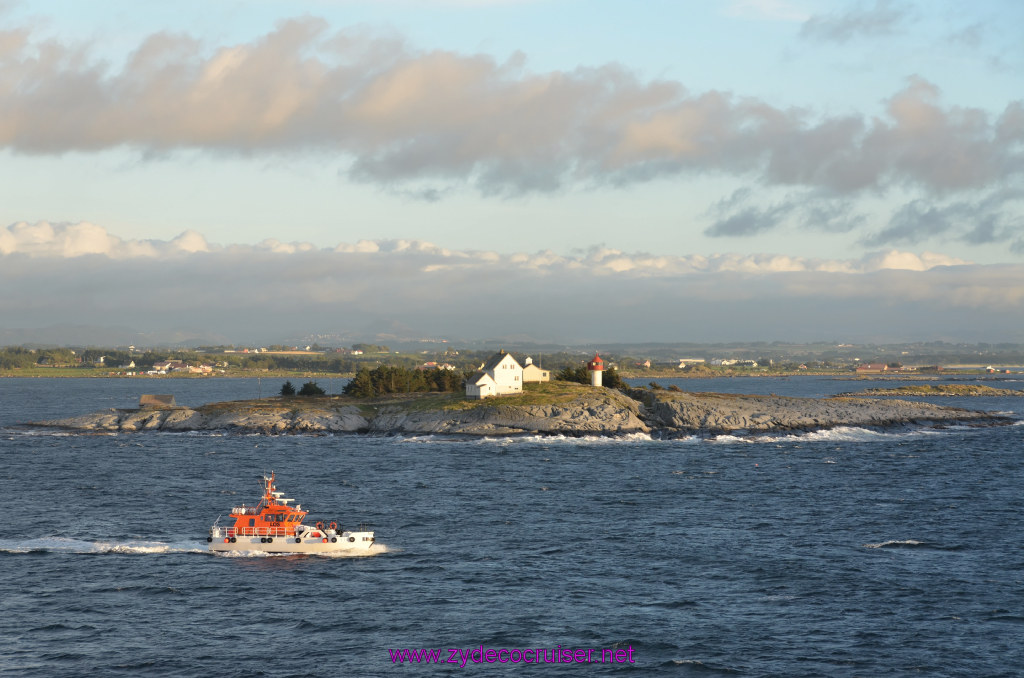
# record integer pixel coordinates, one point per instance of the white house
(533, 373)
(500, 375)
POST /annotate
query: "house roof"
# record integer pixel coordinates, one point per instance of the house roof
(496, 359)
(479, 377)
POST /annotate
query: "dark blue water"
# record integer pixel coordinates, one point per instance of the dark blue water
(846, 553)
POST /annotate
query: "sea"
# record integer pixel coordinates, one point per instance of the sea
(850, 552)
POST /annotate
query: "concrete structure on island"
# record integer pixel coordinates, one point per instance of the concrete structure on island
(500, 375)
(596, 369)
(156, 400)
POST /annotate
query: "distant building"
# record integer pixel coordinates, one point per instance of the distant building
(533, 373)
(500, 375)
(872, 368)
(730, 362)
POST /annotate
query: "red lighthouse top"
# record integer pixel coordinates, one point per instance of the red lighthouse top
(596, 365)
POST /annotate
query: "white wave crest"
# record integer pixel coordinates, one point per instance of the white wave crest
(894, 542)
(510, 440)
(844, 434)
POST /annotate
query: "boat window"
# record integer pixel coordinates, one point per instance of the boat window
(252, 521)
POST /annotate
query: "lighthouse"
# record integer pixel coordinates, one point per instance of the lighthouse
(595, 367)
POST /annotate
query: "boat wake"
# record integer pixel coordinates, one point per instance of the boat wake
(141, 547)
(66, 545)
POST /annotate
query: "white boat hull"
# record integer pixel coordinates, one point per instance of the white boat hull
(346, 542)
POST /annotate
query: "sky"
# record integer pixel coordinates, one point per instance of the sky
(557, 170)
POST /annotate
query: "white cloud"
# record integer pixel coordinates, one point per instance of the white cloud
(388, 113)
(47, 240)
(392, 114)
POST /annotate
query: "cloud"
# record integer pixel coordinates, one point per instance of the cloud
(63, 241)
(884, 17)
(396, 116)
(276, 290)
(740, 215)
(996, 217)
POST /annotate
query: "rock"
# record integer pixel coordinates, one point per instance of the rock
(592, 412)
(716, 412)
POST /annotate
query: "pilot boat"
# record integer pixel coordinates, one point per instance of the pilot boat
(274, 526)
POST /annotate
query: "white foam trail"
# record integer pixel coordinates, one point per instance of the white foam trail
(140, 547)
(67, 545)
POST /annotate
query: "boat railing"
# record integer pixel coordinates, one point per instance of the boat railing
(256, 532)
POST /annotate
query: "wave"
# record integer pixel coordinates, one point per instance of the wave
(843, 434)
(895, 543)
(531, 438)
(911, 544)
(67, 545)
(18, 431)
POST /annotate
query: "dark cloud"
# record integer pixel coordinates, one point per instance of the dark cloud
(274, 290)
(272, 296)
(884, 17)
(748, 221)
(994, 218)
(737, 216)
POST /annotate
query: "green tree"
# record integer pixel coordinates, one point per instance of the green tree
(287, 389)
(311, 389)
(396, 379)
(361, 385)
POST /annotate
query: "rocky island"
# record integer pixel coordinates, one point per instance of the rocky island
(942, 390)
(550, 408)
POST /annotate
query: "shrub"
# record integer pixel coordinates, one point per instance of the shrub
(311, 389)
